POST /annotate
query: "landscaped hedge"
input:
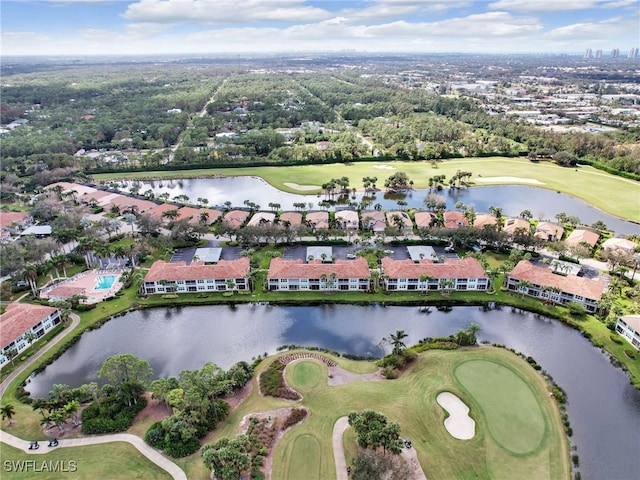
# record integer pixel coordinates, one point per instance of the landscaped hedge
(110, 416)
(272, 382)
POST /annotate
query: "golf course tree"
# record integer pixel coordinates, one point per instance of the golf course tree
(467, 336)
(7, 411)
(373, 430)
(196, 398)
(395, 339)
(116, 404)
(228, 458)
(372, 465)
(128, 374)
(398, 182)
(400, 356)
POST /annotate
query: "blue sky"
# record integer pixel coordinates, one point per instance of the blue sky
(88, 27)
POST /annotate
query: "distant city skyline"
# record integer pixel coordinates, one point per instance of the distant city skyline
(108, 27)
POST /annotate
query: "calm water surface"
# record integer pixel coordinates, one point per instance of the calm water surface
(513, 199)
(604, 409)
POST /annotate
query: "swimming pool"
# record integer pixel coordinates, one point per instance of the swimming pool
(105, 282)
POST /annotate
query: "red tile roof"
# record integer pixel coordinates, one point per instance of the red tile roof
(467, 267)
(424, 219)
(483, 219)
(348, 217)
(161, 270)
(190, 213)
(294, 218)
(404, 216)
(512, 224)
(7, 218)
(213, 214)
(125, 202)
(261, 217)
(235, 218)
(66, 291)
(586, 287)
(18, 318)
(158, 210)
(280, 268)
(318, 219)
(580, 235)
(455, 220)
(544, 230)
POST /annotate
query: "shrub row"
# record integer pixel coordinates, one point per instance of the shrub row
(110, 416)
(295, 416)
(272, 383)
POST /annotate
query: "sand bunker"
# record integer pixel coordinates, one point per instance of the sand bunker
(384, 167)
(531, 181)
(459, 424)
(301, 187)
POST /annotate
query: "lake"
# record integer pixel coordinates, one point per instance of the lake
(512, 199)
(604, 409)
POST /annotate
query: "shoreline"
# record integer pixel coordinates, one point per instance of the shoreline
(317, 190)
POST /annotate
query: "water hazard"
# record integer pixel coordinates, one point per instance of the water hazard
(604, 409)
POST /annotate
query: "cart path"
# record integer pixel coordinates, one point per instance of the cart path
(75, 321)
(156, 457)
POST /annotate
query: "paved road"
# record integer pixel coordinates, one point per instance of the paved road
(152, 454)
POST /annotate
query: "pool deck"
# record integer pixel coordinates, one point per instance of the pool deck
(84, 283)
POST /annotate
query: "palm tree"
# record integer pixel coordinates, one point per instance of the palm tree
(7, 411)
(395, 339)
(71, 411)
(30, 337)
(11, 354)
(30, 275)
(472, 330)
(524, 286)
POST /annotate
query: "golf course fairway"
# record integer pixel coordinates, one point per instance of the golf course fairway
(535, 445)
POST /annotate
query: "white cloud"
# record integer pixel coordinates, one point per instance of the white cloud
(594, 30)
(390, 9)
(223, 11)
(557, 5)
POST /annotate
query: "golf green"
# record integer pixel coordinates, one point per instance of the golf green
(307, 374)
(513, 415)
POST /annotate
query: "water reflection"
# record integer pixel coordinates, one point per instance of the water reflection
(513, 199)
(604, 408)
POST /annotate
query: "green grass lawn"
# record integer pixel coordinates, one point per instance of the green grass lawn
(513, 416)
(113, 461)
(411, 401)
(601, 189)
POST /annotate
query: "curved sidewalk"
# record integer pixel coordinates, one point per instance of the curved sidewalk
(149, 452)
(75, 321)
(174, 470)
(338, 450)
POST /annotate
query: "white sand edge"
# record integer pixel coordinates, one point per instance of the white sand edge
(301, 187)
(532, 181)
(459, 424)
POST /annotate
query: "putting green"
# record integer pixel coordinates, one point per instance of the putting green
(307, 374)
(304, 461)
(513, 415)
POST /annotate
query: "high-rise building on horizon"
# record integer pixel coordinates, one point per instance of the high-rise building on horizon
(615, 53)
(598, 53)
(633, 52)
(588, 53)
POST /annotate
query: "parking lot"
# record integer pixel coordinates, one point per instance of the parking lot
(343, 252)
